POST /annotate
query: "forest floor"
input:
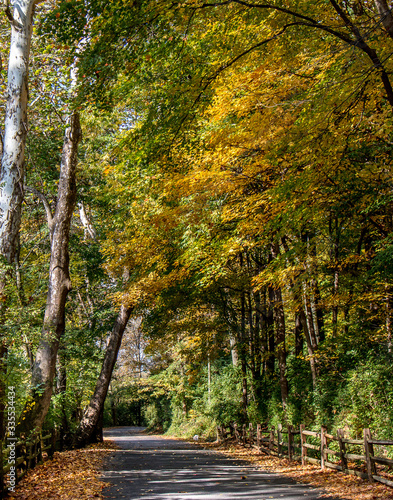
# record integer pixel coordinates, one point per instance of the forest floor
(333, 482)
(76, 474)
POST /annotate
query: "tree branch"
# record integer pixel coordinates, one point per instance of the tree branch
(88, 227)
(45, 202)
(358, 40)
(10, 17)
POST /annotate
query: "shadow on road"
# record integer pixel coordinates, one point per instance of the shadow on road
(153, 468)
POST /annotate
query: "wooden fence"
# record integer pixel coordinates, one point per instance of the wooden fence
(358, 457)
(17, 457)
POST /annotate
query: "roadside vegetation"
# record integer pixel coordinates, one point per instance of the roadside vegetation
(196, 215)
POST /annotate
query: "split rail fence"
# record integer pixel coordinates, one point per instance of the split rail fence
(17, 457)
(366, 458)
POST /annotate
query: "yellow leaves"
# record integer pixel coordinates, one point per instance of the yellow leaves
(277, 278)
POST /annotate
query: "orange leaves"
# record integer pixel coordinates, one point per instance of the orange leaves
(70, 475)
(334, 483)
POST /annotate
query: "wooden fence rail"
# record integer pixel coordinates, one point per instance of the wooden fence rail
(351, 456)
(17, 457)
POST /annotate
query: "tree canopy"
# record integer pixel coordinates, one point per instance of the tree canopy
(233, 196)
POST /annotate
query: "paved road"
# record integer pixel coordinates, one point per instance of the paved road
(152, 468)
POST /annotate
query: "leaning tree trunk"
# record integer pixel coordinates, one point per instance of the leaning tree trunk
(59, 285)
(87, 426)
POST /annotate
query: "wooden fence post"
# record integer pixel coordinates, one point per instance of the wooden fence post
(290, 442)
(344, 462)
(279, 439)
(271, 438)
(251, 434)
(41, 445)
(369, 452)
(323, 447)
(29, 452)
(52, 448)
(244, 435)
(258, 435)
(236, 433)
(302, 443)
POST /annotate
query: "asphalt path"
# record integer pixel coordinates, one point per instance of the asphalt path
(153, 468)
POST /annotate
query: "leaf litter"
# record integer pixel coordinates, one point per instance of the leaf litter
(74, 475)
(70, 475)
(332, 482)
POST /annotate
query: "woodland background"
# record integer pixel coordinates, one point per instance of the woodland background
(234, 198)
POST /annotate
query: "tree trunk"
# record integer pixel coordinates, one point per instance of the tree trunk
(3, 395)
(389, 315)
(88, 424)
(61, 390)
(279, 321)
(59, 285)
(318, 311)
(310, 347)
(12, 157)
(298, 336)
(233, 346)
(271, 341)
(243, 358)
(385, 15)
(310, 317)
(15, 127)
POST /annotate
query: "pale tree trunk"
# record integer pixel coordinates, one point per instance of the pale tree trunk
(88, 425)
(12, 157)
(15, 127)
(233, 346)
(58, 287)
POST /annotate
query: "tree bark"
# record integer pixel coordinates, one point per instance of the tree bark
(389, 316)
(385, 15)
(243, 358)
(88, 424)
(310, 347)
(12, 155)
(279, 320)
(61, 390)
(271, 341)
(59, 285)
(15, 127)
(298, 336)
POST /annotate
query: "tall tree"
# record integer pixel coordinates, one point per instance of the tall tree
(12, 154)
(90, 426)
(58, 287)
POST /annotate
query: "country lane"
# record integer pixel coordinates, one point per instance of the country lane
(154, 468)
